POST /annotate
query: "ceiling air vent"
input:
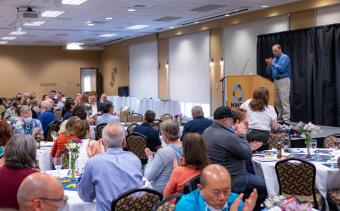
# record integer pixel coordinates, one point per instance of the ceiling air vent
(208, 7)
(167, 19)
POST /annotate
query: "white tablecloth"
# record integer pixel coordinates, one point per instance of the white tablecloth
(76, 204)
(326, 178)
(139, 105)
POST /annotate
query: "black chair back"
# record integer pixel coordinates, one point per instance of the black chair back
(136, 143)
(191, 185)
(99, 130)
(130, 201)
(130, 128)
(53, 126)
(164, 205)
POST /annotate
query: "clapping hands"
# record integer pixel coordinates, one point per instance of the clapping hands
(249, 203)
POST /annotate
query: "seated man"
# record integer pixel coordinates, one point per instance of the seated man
(47, 115)
(226, 145)
(214, 193)
(109, 174)
(198, 124)
(152, 135)
(40, 191)
(25, 124)
(107, 117)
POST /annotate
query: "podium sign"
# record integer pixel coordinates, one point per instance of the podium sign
(241, 88)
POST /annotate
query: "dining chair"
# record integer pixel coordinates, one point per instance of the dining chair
(53, 126)
(136, 143)
(164, 205)
(135, 117)
(131, 127)
(296, 178)
(144, 201)
(99, 130)
(165, 117)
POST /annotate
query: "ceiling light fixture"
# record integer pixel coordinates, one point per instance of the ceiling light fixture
(34, 23)
(51, 14)
(74, 46)
(131, 10)
(73, 2)
(196, 22)
(17, 33)
(227, 15)
(108, 18)
(264, 6)
(107, 35)
(3, 42)
(171, 27)
(90, 24)
(8, 38)
(138, 27)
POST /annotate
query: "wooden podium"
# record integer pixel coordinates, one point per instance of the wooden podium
(240, 88)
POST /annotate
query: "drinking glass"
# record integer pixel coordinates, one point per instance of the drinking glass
(58, 163)
(313, 143)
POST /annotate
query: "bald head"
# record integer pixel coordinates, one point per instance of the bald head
(214, 173)
(215, 185)
(36, 186)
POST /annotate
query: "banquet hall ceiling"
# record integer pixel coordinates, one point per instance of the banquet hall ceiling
(99, 22)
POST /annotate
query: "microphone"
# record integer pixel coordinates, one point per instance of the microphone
(245, 66)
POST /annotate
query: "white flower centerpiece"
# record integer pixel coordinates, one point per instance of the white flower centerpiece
(125, 112)
(73, 148)
(307, 130)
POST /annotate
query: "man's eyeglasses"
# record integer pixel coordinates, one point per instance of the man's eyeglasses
(63, 206)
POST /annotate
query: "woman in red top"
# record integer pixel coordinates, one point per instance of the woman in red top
(64, 138)
(20, 161)
(195, 159)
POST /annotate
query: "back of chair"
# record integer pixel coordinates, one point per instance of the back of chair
(165, 117)
(191, 185)
(135, 117)
(296, 177)
(99, 130)
(144, 202)
(156, 124)
(136, 143)
(164, 205)
(130, 128)
(53, 126)
(332, 141)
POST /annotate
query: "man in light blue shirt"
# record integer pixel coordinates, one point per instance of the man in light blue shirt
(280, 69)
(111, 173)
(214, 193)
(107, 116)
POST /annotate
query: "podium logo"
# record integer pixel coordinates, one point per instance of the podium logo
(237, 95)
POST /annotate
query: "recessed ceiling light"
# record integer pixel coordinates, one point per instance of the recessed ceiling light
(227, 15)
(17, 33)
(3, 42)
(107, 35)
(138, 27)
(34, 23)
(8, 38)
(73, 2)
(171, 27)
(74, 46)
(51, 14)
(108, 18)
(87, 22)
(90, 24)
(131, 10)
(264, 6)
(196, 22)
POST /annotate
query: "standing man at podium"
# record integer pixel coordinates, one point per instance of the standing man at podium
(280, 69)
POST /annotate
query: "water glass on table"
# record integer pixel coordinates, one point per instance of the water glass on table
(58, 163)
(313, 143)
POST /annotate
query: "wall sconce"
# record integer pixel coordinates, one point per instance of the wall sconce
(211, 62)
(167, 65)
(221, 62)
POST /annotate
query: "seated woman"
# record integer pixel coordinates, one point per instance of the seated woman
(261, 117)
(19, 162)
(195, 159)
(5, 134)
(65, 137)
(160, 164)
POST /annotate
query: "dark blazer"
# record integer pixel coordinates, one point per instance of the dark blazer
(197, 125)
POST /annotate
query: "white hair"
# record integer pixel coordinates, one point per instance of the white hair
(113, 135)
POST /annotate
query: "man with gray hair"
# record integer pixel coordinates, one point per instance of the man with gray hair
(40, 191)
(47, 115)
(111, 173)
(198, 124)
(25, 124)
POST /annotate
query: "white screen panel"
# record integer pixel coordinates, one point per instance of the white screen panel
(143, 70)
(189, 68)
(240, 43)
(328, 15)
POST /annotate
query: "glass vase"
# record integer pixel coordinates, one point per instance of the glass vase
(72, 164)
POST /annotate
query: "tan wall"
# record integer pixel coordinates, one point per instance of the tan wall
(304, 19)
(26, 68)
(115, 56)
